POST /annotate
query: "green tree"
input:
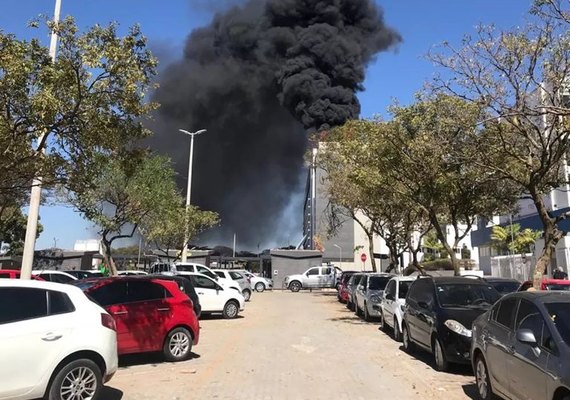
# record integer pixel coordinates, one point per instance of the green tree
(127, 192)
(520, 79)
(167, 230)
(13, 227)
(91, 100)
(510, 238)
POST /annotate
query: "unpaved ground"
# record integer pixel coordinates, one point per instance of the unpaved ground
(290, 346)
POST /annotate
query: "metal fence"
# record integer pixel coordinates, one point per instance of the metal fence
(518, 267)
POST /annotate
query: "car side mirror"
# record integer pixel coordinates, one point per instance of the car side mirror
(390, 296)
(526, 336)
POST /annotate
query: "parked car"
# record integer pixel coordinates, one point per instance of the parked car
(240, 279)
(132, 272)
(351, 288)
(259, 283)
(55, 276)
(161, 267)
(185, 285)
(152, 314)
(392, 304)
(315, 277)
(368, 293)
(548, 284)
(216, 299)
(195, 268)
(503, 285)
(439, 313)
(342, 293)
(53, 339)
(84, 274)
(15, 274)
(521, 347)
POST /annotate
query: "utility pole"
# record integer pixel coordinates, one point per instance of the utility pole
(235, 236)
(36, 194)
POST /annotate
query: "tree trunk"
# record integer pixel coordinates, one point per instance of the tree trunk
(108, 258)
(552, 236)
(371, 249)
(443, 239)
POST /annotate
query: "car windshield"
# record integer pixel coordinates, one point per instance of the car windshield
(466, 295)
(560, 316)
(378, 282)
(557, 286)
(505, 287)
(404, 286)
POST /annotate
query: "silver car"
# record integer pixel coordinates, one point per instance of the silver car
(521, 347)
(351, 289)
(369, 293)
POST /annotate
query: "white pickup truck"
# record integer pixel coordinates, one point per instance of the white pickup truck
(324, 276)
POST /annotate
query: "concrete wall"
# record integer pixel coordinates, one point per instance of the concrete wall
(289, 262)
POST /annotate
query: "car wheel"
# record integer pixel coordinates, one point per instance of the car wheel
(80, 379)
(397, 333)
(259, 287)
(366, 314)
(295, 286)
(441, 363)
(178, 345)
(406, 340)
(483, 381)
(246, 294)
(231, 310)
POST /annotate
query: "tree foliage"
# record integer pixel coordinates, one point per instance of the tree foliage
(511, 239)
(520, 79)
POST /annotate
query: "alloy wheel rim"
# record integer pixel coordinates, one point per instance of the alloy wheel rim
(232, 310)
(482, 379)
(179, 344)
(259, 287)
(79, 384)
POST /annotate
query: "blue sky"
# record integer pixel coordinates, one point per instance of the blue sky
(394, 75)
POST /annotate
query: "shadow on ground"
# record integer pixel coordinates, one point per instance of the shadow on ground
(109, 393)
(428, 359)
(471, 391)
(152, 359)
(214, 317)
(352, 319)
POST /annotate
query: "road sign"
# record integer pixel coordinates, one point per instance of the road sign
(363, 257)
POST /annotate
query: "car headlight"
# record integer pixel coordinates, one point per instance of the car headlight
(375, 299)
(458, 328)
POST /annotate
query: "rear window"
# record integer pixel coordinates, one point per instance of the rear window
(59, 303)
(556, 286)
(346, 277)
(185, 268)
(378, 282)
(403, 289)
(560, 316)
(235, 276)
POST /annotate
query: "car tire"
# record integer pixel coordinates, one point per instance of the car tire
(295, 286)
(260, 287)
(397, 332)
(177, 345)
(483, 382)
(366, 314)
(90, 383)
(441, 363)
(231, 309)
(246, 294)
(407, 343)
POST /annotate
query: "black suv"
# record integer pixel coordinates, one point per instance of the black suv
(439, 313)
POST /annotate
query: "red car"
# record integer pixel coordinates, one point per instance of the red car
(150, 314)
(548, 284)
(343, 294)
(15, 274)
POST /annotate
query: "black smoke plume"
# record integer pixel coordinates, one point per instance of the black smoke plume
(258, 78)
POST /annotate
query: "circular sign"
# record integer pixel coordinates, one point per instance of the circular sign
(363, 257)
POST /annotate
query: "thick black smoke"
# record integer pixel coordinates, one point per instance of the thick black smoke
(258, 78)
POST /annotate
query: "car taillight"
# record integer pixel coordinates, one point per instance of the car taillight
(108, 322)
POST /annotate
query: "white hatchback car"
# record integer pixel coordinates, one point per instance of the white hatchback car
(214, 298)
(55, 343)
(243, 282)
(259, 283)
(391, 306)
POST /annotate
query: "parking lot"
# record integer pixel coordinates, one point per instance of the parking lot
(290, 346)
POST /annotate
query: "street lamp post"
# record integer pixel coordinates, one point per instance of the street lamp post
(36, 193)
(189, 187)
(340, 255)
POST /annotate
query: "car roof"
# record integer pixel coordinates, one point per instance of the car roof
(558, 281)
(455, 279)
(25, 283)
(405, 278)
(10, 270)
(499, 279)
(543, 296)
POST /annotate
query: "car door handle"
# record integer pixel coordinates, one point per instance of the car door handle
(200, 292)
(51, 337)
(120, 313)
(163, 309)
